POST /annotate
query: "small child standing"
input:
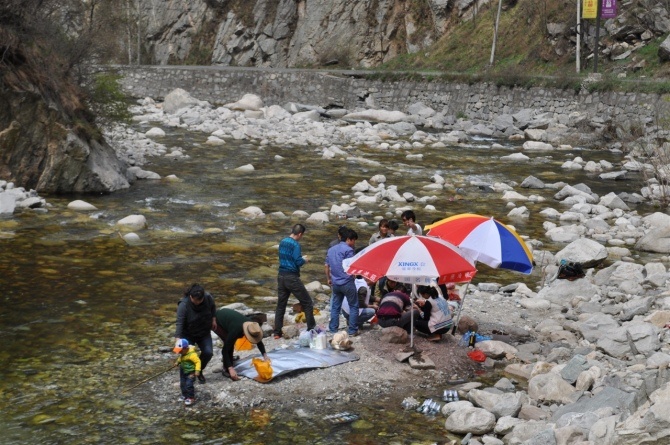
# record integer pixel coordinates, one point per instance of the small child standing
(189, 369)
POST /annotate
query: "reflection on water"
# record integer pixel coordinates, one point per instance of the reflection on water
(84, 313)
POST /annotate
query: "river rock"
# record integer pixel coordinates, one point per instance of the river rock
(550, 387)
(155, 132)
(247, 102)
(7, 203)
(470, 420)
(252, 212)
(133, 222)
(376, 116)
(657, 240)
(245, 168)
(178, 99)
(81, 206)
(537, 146)
(585, 251)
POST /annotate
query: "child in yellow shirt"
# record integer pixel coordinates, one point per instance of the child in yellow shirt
(189, 369)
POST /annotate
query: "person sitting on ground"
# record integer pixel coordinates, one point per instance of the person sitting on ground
(388, 286)
(396, 309)
(409, 218)
(436, 314)
(231, 326)
(196, 318)
(189, 369)
(366, 311)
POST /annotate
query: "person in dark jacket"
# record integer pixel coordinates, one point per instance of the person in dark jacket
(196, 317)
(231, 326)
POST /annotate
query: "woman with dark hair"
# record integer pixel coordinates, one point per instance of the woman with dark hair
(196, 317)
(436, 316)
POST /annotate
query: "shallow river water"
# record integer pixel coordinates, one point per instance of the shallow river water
(84, 313)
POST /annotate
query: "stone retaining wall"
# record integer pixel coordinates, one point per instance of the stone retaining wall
(220, 85)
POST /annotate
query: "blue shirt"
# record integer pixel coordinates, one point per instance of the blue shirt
(290, 256)
(334, 258)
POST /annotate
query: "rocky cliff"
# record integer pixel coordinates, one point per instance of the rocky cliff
(293, 33)
(42, 149)
(48, 138)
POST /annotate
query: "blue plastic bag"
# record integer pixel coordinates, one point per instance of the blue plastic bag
(465, 339)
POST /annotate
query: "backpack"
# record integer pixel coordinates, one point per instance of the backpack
(569, 270)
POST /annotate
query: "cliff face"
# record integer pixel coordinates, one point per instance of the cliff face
(292, 33)
(42, 148)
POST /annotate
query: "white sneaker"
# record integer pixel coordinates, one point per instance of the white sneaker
(189, 402)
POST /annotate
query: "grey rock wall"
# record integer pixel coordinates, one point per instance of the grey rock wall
(345, 89)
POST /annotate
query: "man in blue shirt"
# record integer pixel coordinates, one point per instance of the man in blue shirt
(288, 280)
(342, 283)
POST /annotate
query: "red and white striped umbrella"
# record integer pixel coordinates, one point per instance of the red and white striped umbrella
(412, 259)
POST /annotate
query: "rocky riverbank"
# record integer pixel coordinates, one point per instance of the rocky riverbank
(586, 360)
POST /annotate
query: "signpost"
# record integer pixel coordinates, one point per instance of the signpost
(596, 9)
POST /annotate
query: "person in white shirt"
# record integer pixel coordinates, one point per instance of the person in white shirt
(366, 311)
(409, 218)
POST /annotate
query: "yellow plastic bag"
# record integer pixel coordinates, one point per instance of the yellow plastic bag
(301, 318)
(242, 344)
(263, 368)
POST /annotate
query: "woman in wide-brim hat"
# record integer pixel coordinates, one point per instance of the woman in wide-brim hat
(231, 326)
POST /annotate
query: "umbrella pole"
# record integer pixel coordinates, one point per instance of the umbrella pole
(460, 309)
(411, 312)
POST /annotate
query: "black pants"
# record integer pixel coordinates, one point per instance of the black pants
(288, 284)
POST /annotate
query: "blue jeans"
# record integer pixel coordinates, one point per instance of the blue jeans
(288, 284)
(206, 349)
(364, 315)
(186, 384)
(340, 292)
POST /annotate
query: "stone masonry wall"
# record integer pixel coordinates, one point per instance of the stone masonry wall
(220, 85)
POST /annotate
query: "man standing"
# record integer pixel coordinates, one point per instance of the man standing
(342, 284)
(288, 280)
(409, 218)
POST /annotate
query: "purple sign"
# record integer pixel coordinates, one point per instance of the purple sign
(608, 9)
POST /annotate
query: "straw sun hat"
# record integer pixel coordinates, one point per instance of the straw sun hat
(252, 331)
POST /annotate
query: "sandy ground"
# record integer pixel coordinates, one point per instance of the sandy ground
(376, 373)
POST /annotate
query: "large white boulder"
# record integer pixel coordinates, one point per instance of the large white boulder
(178, 99)
(247, 102)
(133, 222)
(81, 205)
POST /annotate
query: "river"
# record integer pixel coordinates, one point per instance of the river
(84, 313)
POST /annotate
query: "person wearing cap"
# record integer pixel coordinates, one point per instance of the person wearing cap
(231, 326)
(288, 280)
(189, 368)
(196, 318)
